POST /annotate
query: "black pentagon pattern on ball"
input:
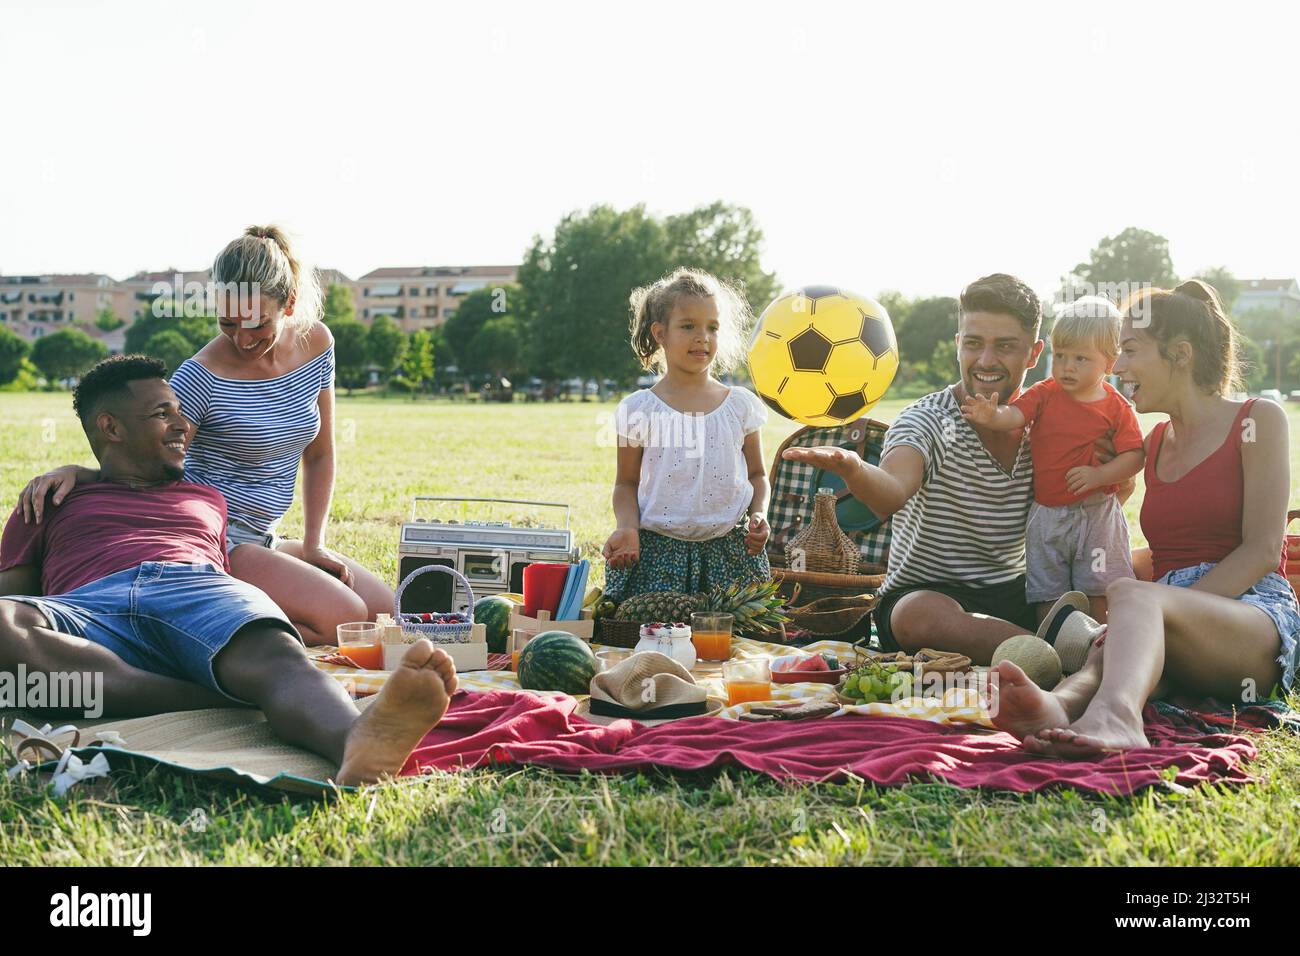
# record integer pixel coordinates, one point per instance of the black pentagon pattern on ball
(810, 351)
(847, 406)
(773, 404)
(875, 335)
(818, 291)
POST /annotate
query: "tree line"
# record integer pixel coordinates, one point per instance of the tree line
(567, 316)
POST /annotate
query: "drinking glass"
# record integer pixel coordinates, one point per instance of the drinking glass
(747, 680)
(711, 634)
(362, 642)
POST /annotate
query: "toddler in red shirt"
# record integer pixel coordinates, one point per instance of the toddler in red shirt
(1076, 538)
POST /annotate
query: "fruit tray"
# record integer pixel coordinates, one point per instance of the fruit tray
(784, 675)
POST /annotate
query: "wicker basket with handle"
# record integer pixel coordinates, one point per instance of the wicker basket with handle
(437, 633)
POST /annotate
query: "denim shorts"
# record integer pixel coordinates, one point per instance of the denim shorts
(164, 617)
(238, 533)
(1272, 594)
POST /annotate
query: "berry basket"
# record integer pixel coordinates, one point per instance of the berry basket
(450, 633)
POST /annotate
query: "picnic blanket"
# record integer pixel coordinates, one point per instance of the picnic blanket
(501, 727)
(495, 723)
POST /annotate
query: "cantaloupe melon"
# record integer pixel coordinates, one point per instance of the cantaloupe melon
(1034, 656)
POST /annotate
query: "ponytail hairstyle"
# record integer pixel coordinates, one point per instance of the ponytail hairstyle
(1191, 312)
(262, 255)
(654, 303)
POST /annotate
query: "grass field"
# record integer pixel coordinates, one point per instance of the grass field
(391, 450)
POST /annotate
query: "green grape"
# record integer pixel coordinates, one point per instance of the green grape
(851, 685)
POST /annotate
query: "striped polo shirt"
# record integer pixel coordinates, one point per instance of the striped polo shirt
(966, 523)
(251, 434)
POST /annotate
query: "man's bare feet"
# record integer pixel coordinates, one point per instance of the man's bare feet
(1099, 731)
(1019, 706)
(412, 701)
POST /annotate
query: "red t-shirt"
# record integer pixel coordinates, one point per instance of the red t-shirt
(106, 527)
(1062, 431)
(1197, 518)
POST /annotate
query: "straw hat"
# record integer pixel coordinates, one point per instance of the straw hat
(648, 687)
(1070, 630)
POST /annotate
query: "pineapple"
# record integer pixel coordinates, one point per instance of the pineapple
(756, 606)
(656, 606)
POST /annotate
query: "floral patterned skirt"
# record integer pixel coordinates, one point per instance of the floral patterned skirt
(688, 567)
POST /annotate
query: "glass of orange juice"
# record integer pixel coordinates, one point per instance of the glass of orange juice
(362, 642)
(711, 634)
(747, 680)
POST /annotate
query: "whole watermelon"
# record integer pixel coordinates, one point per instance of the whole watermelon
(494, 611)
(556, 660)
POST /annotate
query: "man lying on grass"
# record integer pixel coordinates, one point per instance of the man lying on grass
(136, 586)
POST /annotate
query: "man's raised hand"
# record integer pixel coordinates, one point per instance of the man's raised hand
(838, 461)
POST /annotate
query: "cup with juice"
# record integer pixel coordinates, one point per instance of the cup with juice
(362, 643)
(711, 634)
(747, 680)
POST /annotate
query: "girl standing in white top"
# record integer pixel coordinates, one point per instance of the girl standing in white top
(690, 459)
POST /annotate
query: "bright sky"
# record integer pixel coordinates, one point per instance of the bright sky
(914, 146)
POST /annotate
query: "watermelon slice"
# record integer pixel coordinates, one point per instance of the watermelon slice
(813, 663)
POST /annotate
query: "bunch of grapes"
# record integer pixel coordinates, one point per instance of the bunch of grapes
(871, 681)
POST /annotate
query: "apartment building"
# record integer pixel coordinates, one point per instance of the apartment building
(421, 297)
(36, 305)
(1282, 295)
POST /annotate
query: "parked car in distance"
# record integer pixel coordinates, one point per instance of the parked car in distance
(1272, 394)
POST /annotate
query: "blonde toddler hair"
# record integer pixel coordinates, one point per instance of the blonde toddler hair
(1090, 321)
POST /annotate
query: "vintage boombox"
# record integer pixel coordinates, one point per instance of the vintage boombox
(490, 554)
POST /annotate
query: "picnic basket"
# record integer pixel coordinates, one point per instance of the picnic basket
(793, 504)
(845, 618)
(437, 633)
(613, 633)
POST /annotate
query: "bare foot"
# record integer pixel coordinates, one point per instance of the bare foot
(1099, 731)
(1019, 706)
(412, 701)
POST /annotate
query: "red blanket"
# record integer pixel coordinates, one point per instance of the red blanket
(505, 727)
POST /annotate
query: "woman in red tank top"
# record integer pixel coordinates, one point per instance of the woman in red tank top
(1219, 620)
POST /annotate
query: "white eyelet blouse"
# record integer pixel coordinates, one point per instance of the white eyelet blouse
(694, 482)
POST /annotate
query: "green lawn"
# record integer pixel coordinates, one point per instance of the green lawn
(391, 450)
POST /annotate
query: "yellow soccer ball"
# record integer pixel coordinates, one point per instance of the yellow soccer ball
(822, 355)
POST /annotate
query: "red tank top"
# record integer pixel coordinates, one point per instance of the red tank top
(1198, 517)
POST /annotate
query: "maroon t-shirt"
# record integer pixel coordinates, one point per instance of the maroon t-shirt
(106, 527)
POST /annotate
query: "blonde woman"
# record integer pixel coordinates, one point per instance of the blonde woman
(261, 397)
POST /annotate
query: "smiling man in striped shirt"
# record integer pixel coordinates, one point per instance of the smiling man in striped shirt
(959, 495)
